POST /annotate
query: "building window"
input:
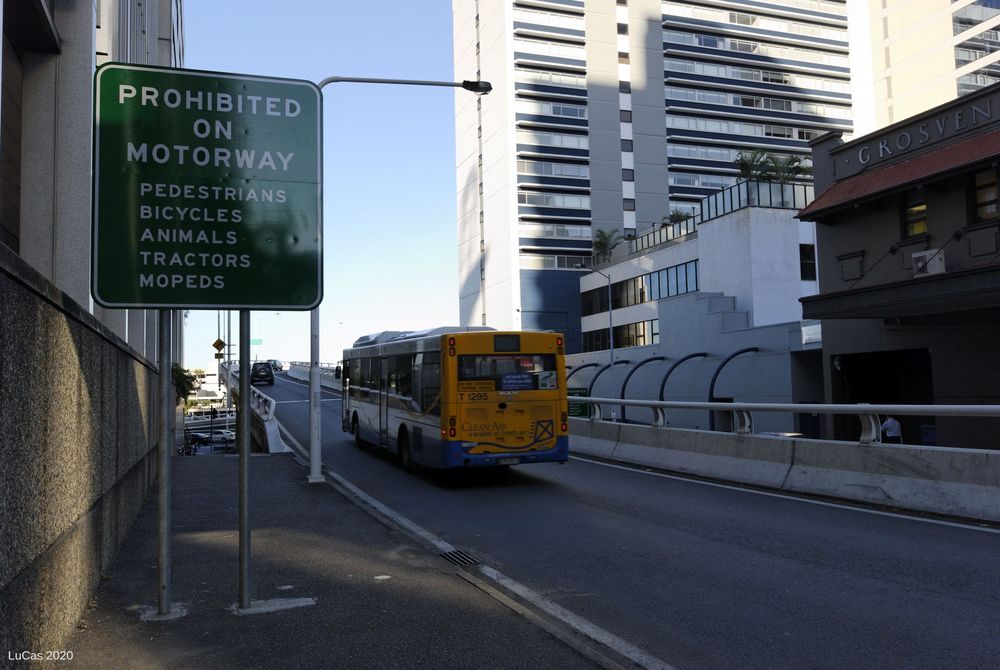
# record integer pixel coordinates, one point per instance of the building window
(623, 29)
(641, 334)
(986, 196)
(624, 87)
(628, 174)
(10, 141)
(626, 145)
(628, 204)
(623, 58)
(807, 262)
(625, 116)
(914, 213)
(663, 283)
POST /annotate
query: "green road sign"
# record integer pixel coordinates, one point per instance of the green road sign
(578, 409)
(206, 190)
(256, 341)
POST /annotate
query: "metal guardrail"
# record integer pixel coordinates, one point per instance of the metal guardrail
(868, 415)
(261, 403)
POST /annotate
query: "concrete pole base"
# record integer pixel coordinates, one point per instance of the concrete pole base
(151, 612)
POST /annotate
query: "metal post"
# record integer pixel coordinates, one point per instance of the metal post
(315, 455)
(611, 325)
(244, 441)
(229, 359)
(163, 465)
(218, 362)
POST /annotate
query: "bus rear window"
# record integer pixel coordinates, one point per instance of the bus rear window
(510, 372)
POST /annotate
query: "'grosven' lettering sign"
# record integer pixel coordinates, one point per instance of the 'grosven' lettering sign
(206, 190)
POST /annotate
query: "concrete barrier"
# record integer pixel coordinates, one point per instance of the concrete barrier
(957, 482)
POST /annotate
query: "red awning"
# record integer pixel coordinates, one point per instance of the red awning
(875, 181)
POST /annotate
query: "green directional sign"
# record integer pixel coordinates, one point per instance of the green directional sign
(206, 190)
(578, 409)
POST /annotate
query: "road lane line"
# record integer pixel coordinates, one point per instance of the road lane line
(293, 380)
(639, 469)
(576, 622)
(579, 624)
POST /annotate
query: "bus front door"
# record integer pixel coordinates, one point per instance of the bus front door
(383, 404)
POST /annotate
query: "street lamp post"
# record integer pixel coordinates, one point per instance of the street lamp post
(477, 87)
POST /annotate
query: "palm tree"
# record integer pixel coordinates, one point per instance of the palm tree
(785, 168)
(605, 242)
(183, 382)
(753, 166)
(675, 216)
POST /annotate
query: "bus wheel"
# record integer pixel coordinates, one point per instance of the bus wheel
(356, 430)
(403, 451)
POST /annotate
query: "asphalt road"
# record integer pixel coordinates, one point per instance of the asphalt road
(700, 575)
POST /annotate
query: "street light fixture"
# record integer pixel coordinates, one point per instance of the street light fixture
(477, 87)
(315, 476)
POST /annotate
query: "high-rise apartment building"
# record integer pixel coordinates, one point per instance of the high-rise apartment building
(911, 55)
(610, 116)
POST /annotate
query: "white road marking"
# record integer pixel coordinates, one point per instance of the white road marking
(577, 623)
(638, 469)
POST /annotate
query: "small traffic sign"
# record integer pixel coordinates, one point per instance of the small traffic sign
(220, 356)
(219, 345)
(256, 341)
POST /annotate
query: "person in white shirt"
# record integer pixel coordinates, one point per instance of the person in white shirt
(893, 431)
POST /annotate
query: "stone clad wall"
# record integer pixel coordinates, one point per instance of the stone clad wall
(78, 431)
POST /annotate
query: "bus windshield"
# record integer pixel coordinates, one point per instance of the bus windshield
(510, 372)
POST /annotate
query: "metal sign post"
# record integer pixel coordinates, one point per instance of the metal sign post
(315, 456)
(164, 591)
(245, 439)
(207, 194)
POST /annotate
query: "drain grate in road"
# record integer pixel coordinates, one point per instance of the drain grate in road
(459, 558)
(327, 468)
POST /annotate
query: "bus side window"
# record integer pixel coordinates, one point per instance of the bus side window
(365, 373)
(402, 366)
(373, 365)
(354, 376)
(430, 383)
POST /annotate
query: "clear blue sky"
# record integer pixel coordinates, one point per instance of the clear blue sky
(390, 249)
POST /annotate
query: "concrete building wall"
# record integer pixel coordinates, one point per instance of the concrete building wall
(905, 56)
(55, 145)
(488, 258)
(603, 107)
(648, 126)
(912, 57)
(752, 255)
(77, 420)
(467, 164)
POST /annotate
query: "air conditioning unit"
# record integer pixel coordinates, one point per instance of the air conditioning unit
(929, 262)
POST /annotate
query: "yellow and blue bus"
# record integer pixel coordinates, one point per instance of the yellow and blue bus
(458, 397)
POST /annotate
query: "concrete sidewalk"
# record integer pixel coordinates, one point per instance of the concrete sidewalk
(382, 601)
